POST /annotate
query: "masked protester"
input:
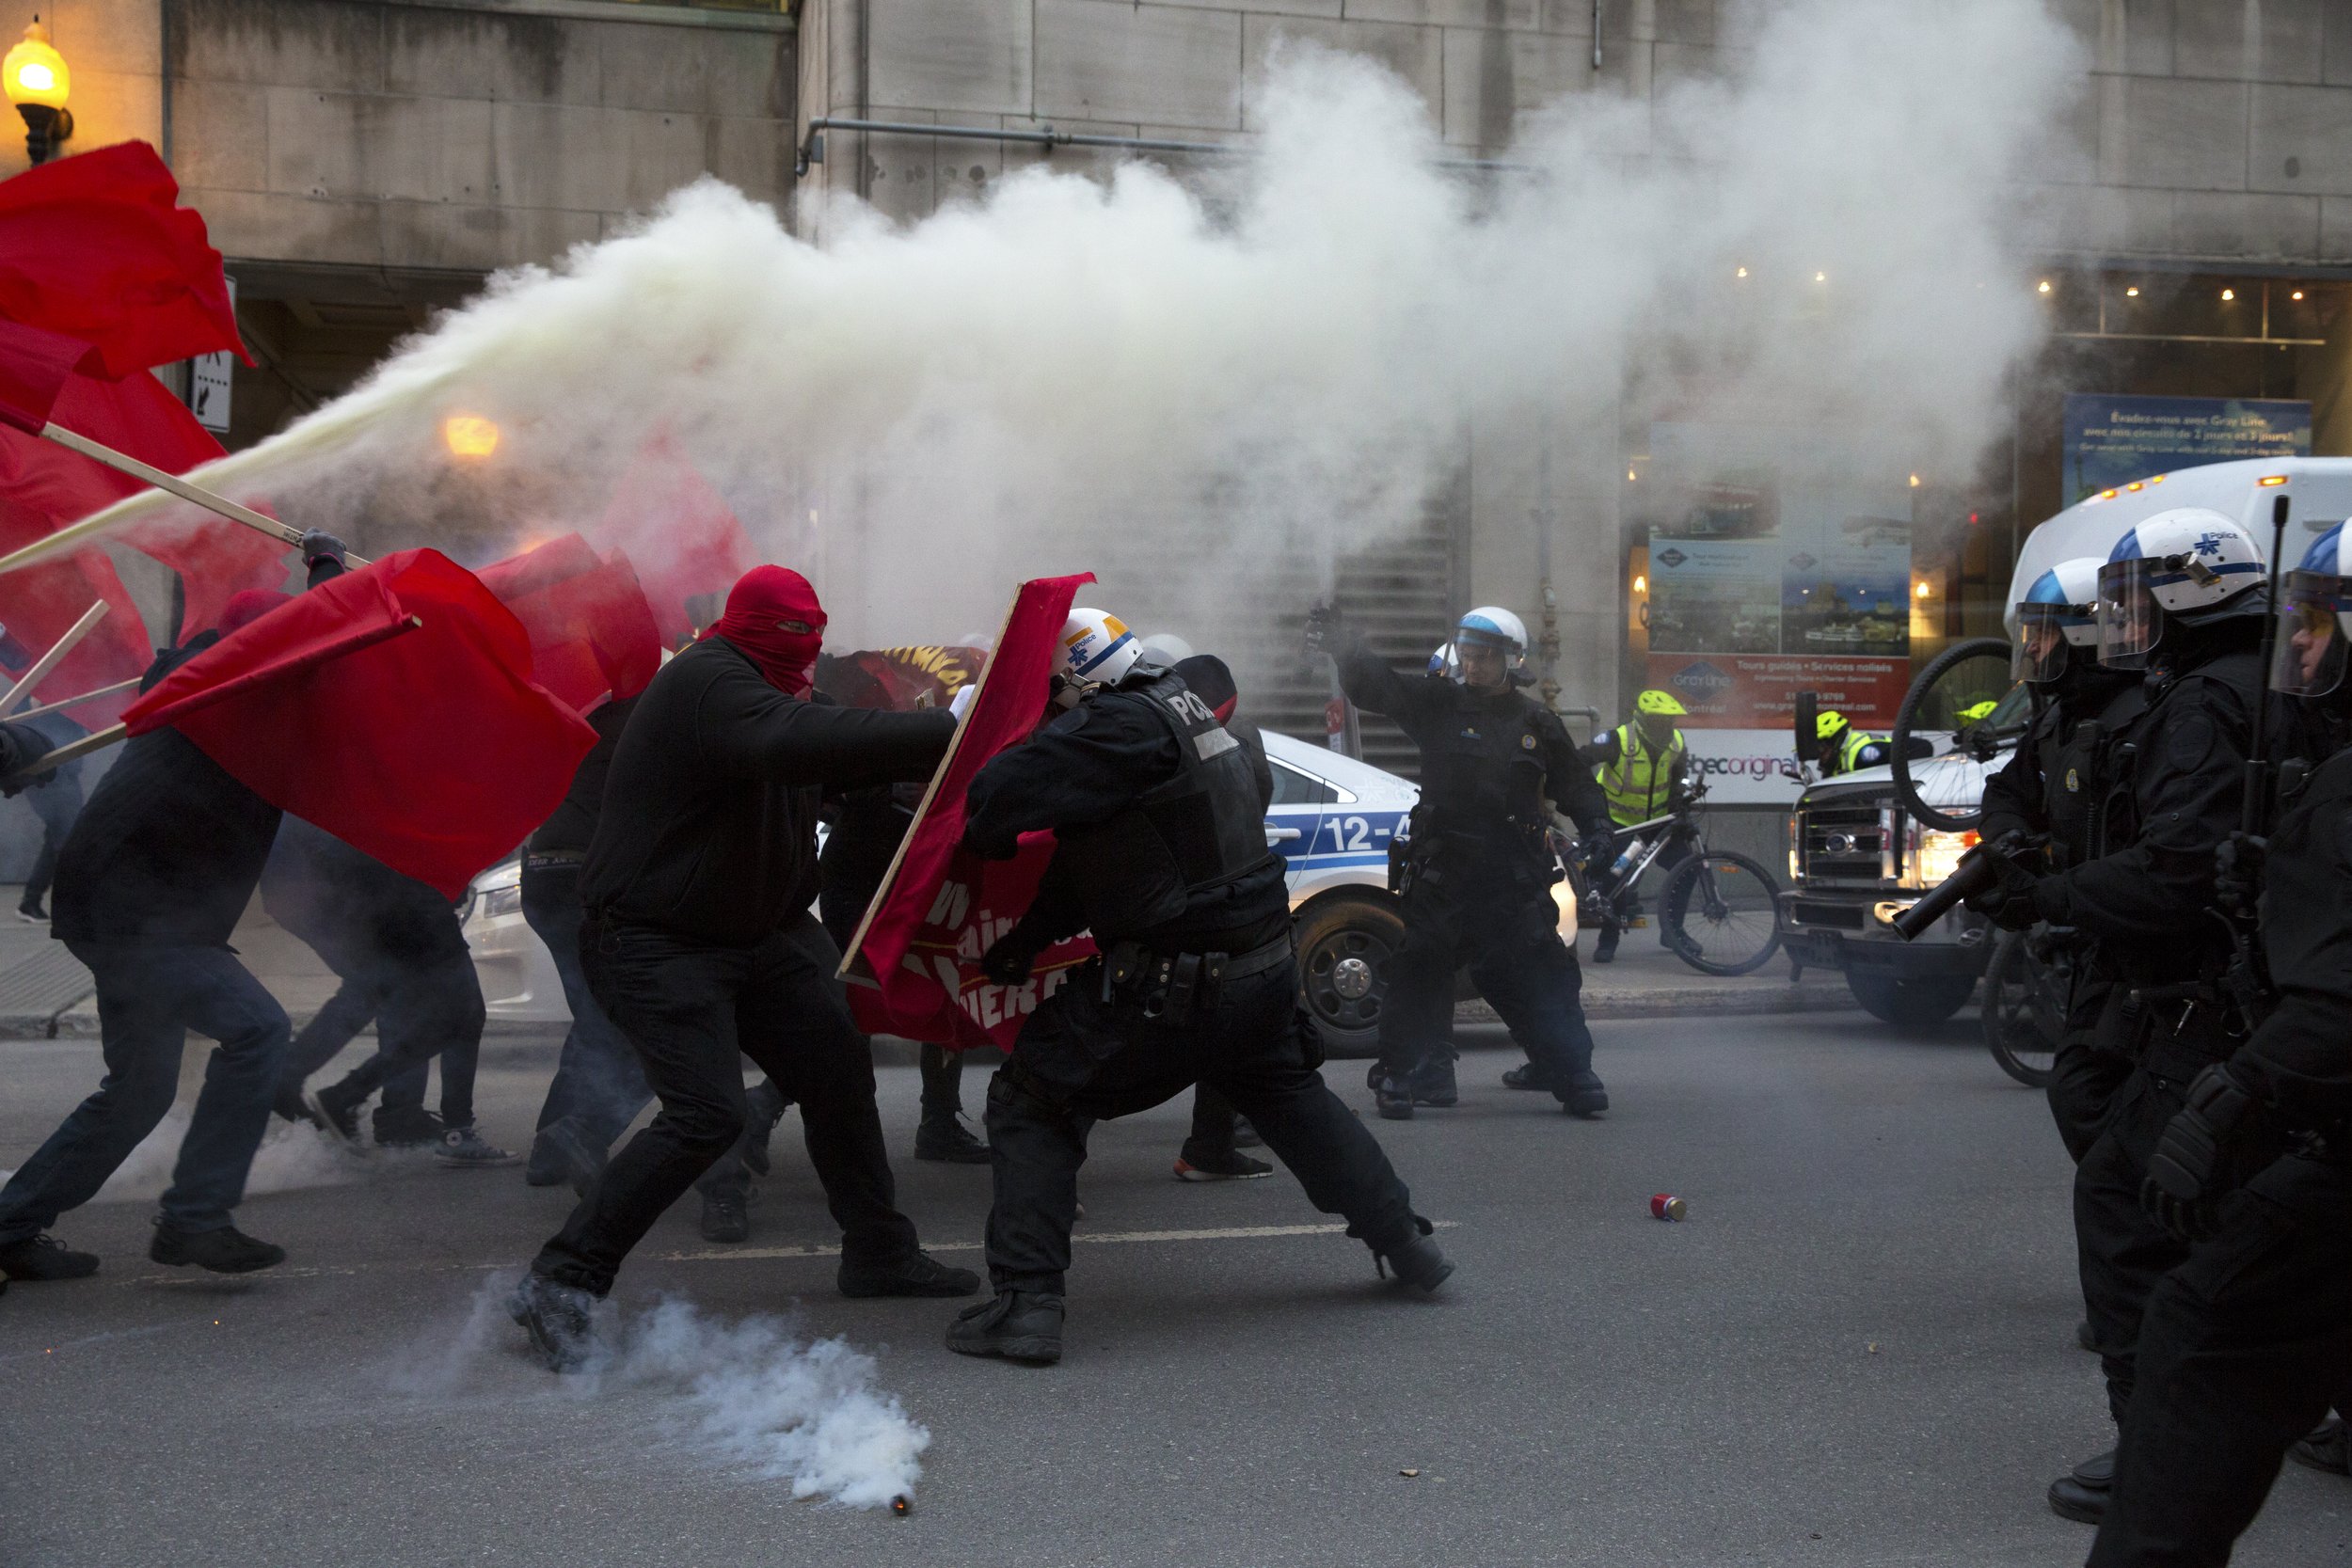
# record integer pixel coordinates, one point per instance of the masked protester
(698, 943)
(395, 945)
(1160, 853)
(2181, 604)
(150, 884)
(1477, 880)
(2248, 1335)
(1642, 766)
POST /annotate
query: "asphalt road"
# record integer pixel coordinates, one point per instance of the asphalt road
(1858, 1350)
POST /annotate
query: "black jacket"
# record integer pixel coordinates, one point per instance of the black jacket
(572, 823)
(345, 901)
(2030, 794)
(169, 846)
(2301, 1056)
(708, 828)
(1488, 759)
(1086, 767)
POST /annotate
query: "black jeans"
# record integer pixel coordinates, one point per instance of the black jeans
(56, 802)
(149, 998)
(2121, 1250)
(2241, 1349)
(1079, 1060)
(598, 1084)
(1508, 933)
(693, 1010)
(416, 1003)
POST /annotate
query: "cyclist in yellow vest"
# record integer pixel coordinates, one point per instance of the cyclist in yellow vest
(1640, 766)
(1845, 747)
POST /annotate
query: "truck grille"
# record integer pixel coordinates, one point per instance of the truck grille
(1854, 844)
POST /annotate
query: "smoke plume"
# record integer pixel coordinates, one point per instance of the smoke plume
(1187, 384)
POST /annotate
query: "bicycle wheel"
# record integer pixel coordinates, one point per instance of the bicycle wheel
(1721, 914)
(2023, 1012)
(1946, 790)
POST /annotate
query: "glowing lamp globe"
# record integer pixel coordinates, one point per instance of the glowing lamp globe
(36, 73)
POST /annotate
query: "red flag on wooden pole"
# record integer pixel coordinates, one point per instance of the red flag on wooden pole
(592, 633)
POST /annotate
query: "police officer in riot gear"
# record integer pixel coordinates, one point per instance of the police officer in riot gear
(2181, 604)
(1477, 882)
(1641, 767)
(1161, 854)
(2247, 1337)
(2043, 795)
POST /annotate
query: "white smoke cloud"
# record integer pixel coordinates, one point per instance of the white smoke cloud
(1185, 386)
(291, 1156)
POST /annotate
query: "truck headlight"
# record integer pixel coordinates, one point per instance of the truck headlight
(1796, 841)
(1929, 855)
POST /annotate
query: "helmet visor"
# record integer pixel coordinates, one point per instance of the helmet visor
(2131, 622)
(2042, 640)
(2312, 645)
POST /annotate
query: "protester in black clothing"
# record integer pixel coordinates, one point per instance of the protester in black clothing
(699, 945)
(1480, 870)
(1161, 855)
(397, 948)
(2246, 1341)
(149, 886)
(56, 798)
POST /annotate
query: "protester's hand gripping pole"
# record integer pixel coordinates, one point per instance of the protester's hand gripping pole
(89, 529)
(939, 774)
(72, 751)
(48, 661)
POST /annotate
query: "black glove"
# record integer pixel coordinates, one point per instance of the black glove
(1008, 959)
(2238, 871)
(1593, 851)
(317, 545)
(2201, 1154)
(1326, 630)
(2009, 903)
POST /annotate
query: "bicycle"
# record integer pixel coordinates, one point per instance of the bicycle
(1720, 911)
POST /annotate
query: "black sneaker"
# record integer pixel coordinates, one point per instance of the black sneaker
(465, 1148)
(1605, 945)
(1585, 1098)
(415, 1128)
(227, 1250)
(726, 1215)
(2325, 1447)
(764, 1106)
(1528, 1077)
(557, 1318)
(1418, 1263)
(45, 1256)
(1018, 1325)
(1392, 1099)
(1218, 1165)
(32, 915)
(1434, 1083)
(944, 1140)
(336, 1112)
(917, 1275)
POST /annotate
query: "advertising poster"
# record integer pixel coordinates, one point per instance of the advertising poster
(1777, 565)
(2112, 441)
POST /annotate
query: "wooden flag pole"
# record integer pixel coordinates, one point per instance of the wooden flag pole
(48, 661)
(955, 742)
(74, 750)
(131, 685)
(66, 539)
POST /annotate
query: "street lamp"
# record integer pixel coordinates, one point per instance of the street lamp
(37, 82)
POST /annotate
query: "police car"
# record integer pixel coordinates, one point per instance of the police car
(1333, 818)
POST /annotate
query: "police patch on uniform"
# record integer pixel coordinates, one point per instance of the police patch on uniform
(2073, 782)
(1527, 741)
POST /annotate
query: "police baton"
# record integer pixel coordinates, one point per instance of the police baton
(2253, 815)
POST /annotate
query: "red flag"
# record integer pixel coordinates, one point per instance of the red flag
(592, 633)
(428, 747)
(679, 529)
(941, 907)
(99, 247)
(34, 365)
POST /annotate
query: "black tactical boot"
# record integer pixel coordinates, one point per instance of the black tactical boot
(227, 1250)
(1586, 1098)
(944, 1140)
(1418, 1262)
(2325, 1447)
(1434, 1083)
(1605, 945)
(726, 1215)
(1019, 1325)
(1392, 1097)
(556, 1316)
(2081, 1494)
(916, 1275)
(45, 1256)
(1529, 1076)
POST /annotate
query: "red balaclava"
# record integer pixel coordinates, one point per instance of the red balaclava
(772, 615)
(246, 605)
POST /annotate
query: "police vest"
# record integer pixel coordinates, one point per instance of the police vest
(1484, 779)
(1193, 831)
(1637, 782)
(2073, 758)
(1849, 749)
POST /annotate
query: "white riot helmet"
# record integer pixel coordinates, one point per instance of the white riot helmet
(2314, 621)
(1490, 626)
(2060, 612)
(1442, 659)
(1166, 649)
(1096, 649)
(2189, 564)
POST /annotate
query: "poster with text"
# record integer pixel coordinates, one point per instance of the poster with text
(2112, 441)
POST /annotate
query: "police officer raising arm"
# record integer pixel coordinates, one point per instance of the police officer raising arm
(1161, 854)
(2245, 1341)
(1480, 871)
